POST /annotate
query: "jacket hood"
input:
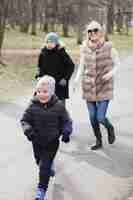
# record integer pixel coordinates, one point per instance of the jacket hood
(51, 102)
(87, 44)
(58, 47)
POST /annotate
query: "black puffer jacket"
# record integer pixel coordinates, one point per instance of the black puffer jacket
(57, 63)
(46, 122)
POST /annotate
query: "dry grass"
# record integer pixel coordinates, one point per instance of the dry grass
(18, 76)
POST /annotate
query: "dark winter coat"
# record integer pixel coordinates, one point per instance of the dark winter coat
(43, 123)
(57, 63)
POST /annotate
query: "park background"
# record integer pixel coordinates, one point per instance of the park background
(24, 24)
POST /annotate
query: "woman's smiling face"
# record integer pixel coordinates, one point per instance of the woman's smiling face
(94, 35)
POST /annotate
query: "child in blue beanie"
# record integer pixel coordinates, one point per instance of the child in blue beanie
(55, 61)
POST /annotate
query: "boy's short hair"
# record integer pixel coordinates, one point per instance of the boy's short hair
(50, 81)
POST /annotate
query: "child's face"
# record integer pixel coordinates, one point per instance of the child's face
(50, 45)
(42, 93)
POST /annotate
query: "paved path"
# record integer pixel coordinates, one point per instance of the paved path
(82, 174)
(21, 51)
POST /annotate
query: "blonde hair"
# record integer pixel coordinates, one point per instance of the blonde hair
(93, 25)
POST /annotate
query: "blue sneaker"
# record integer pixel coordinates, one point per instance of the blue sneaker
(40, 194)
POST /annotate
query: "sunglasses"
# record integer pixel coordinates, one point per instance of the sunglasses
(95, 30)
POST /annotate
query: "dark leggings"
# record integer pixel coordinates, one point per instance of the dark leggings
(44, 158)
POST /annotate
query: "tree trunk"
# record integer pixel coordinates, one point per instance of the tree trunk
(79, 34)
(110, 16)
(81, 21)
(24, 28)
(2, 31)
(65, 29)
(34, 17)
(119, 21)
(127, 22)
(24, 21)
(3, 17)
(45, 27)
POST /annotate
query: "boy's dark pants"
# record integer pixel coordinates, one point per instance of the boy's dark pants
(44, 157)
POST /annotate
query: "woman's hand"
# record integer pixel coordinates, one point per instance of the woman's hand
(75, 85)
(107, 76)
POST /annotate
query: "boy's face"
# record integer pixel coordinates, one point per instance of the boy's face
(42, 93)
(50, 45)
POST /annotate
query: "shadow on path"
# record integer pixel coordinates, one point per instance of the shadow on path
(116, 159)
(12, 110)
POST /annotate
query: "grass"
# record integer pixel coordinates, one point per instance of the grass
(16, 81)
(16, 40)
(123, 42)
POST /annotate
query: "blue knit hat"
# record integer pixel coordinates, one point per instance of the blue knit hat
(52, 37)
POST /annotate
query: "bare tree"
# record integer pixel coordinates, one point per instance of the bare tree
(70, 13)
(119, 20)
(34, 17)
(110, 16)
(3, 17)
(123, 15)
(25, 15)
(81, 19)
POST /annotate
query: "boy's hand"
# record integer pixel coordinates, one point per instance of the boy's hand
(62, 82)
(65, 139)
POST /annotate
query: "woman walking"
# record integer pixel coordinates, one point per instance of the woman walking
(98, 64)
